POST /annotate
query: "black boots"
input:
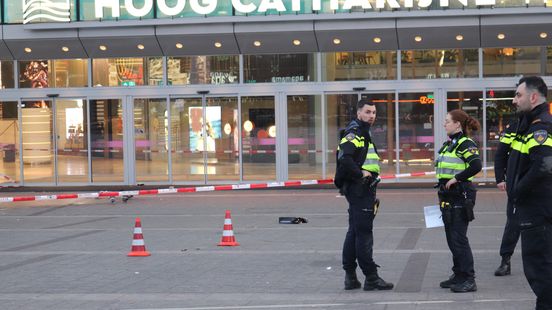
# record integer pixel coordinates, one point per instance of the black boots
(505, 267)
(464, 286)
(452, 280)
(351, 281)
(458, 285)
(374, 282)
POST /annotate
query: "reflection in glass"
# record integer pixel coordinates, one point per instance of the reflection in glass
(35, 74)
(9, 143)
(471, 102)
(222, 138)
(72, 144)
(304, 137)
(439, 64)
(280, 68)
(187, 159)
(511, 61)
(416, 132)
(106, 136)
(203, 70)
(370, 65)
(258, 138)
(151, 141)
(127, 71)
(6, 74)
(70, 72)
(38, 152)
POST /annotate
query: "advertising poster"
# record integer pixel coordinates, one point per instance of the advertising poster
(213, 127)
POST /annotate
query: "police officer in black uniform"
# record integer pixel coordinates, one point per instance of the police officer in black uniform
(358, 185)
(458, 162)
(511, 233)
(529, 185)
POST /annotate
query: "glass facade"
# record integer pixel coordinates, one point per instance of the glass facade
(513, 61)
(203, 70)
(282, 68)
(9, 142)
(6, 74)
(439, 64)
(372, 65)
(127, 71)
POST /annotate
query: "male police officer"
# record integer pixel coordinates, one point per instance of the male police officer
(356, 176)
(529, 185)
(511, 233)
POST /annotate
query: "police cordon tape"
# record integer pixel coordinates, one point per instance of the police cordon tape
(173, 190)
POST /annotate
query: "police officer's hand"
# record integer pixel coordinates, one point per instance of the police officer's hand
(366, 174)
(501, 186)
(450, 183)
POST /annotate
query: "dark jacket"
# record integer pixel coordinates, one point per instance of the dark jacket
(350, 156)
(529, 177)
(503, 151)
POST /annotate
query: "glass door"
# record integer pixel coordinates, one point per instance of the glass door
(10, 165)
(340, 110)
(37, 127)
(72, 141)
(151, 140)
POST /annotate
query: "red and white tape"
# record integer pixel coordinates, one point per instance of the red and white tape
(173, 190)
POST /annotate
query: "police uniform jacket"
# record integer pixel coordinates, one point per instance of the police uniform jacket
(503, 150)
(353, 149)
(529, 177)
(458, 158)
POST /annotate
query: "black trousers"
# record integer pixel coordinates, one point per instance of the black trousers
(359, 240)
(511, 233)
(459, 245)
(536, 252)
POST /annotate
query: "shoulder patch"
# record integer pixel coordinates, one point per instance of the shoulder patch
(473, 150)
(350, 136)
(540, 136)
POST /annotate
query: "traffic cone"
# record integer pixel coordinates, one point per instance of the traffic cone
(228, 238)
(138, 245)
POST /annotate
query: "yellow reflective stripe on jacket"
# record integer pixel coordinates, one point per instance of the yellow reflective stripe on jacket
(528, 143)
(450, 164)
(358, 141)
(507, 138)
(371, 163)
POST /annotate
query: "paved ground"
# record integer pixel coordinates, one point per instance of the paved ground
(72, 254)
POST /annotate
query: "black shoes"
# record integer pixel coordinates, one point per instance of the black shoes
(505, 267)
(351, 281)
(450, 282)
(464, 286)
(376, 283)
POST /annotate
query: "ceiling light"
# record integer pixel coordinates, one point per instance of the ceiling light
(218, 44)
(459, 37)
(103, 47)
(257, 43)
(501, 36)
(179, 45)
(140, 46)
(28, 50)
(65, 48)
(418, 38)
(336, 41)
(296, 42)
(543, 35)
(377, 40)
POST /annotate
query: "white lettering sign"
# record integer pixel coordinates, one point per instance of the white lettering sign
(204, 7)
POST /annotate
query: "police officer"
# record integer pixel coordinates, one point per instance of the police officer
(529, 185)
(510, 236)
(357, 175)
(458, 162)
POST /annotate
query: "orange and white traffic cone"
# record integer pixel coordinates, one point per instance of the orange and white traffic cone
(138, 246)
(228, 238)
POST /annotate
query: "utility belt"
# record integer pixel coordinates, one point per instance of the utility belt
(360, 187)
(457, 203)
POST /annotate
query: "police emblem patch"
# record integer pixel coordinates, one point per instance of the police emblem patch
(540, 136)
(350, 136)
(473, 150)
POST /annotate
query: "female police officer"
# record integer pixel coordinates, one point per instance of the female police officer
(458, 161)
